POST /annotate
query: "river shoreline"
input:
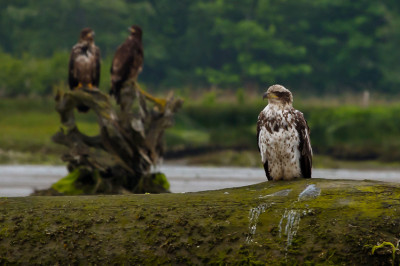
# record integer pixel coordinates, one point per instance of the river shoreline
(22, 180)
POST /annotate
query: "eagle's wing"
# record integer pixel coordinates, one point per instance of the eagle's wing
(72, 79)
(304, 145)
(121, 67)
(96, 72)
(139, 59)
(261, 122)
(258, 131)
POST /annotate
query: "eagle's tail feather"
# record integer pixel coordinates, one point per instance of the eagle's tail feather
(267, 171)
(115, 90)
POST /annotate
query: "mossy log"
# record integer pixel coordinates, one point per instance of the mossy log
(119, 159)
(312, 221)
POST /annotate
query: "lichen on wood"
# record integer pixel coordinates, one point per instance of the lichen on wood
(130, 141)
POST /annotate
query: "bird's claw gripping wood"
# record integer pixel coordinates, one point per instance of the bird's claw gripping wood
(89, 86)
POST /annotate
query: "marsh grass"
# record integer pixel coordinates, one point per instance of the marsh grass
(26, 127)
(227, 123)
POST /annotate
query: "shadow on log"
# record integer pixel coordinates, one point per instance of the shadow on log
(304, 222)
(119, 159)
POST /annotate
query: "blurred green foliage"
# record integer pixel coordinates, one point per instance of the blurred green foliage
(312, 46)
(30, 75)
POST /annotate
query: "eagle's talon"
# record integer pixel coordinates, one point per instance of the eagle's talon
(80, 85)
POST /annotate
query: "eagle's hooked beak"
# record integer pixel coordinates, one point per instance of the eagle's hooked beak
(132, 30)
(265, 95)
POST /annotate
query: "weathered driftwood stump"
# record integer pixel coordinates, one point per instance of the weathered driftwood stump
(130, 141)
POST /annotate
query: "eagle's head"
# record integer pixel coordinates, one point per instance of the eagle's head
(279, 95)
(87, 35)
(136, 31)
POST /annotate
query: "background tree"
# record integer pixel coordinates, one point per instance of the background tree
(323, 46)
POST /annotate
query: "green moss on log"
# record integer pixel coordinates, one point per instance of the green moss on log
(337, 222)
(66, 185)
(82, 181)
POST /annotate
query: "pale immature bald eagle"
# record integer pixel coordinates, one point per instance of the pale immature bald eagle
(283, 137)
(127, 62)
(84, 64)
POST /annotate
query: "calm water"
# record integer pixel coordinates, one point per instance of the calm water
(21, 180)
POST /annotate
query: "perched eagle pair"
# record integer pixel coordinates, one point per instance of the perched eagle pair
(84, 63)
(283, 137)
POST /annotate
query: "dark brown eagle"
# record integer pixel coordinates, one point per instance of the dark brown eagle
(84, 64)
(127, 62)
(283, 137)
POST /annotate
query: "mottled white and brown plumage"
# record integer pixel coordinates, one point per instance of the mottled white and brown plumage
(283, 137)
(84, 64)
(127, 62)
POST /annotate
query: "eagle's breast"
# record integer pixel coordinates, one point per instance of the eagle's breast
(279, 142)
(85, 65)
